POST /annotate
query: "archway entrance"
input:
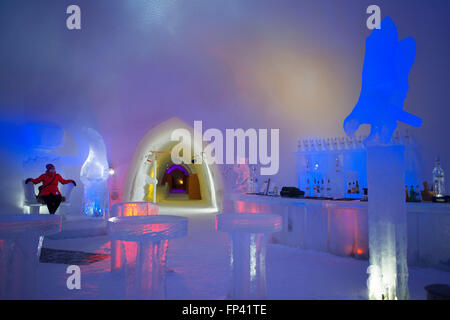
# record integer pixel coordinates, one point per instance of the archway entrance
(186, 188)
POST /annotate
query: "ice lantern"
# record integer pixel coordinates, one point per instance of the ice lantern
(94, 174)
(387, 63)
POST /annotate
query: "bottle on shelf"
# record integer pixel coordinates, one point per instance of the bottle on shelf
(412, 194)
(315, 188)
(418, 194)
(328, 189)
(308, 188)
(339, 183)
(438, 179)
(357, 187)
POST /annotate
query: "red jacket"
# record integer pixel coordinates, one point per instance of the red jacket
(53, 187)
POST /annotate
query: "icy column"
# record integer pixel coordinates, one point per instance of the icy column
(249, 233)
(388, 270)
(21, 238)
(145, 279)
(94, 174)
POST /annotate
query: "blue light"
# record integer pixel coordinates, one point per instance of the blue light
(387, 63)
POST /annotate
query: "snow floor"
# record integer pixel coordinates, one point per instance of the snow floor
(201, 269)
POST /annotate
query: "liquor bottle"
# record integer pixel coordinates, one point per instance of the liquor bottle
(308, 188)
(438, 179)
(418, 194)
(406, 193)
(353, 188)
(330, 144)
(357, 187)
(338, 182)
(328, 192)
(412, 194)
(349, 189)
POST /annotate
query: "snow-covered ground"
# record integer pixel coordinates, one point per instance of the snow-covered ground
(201, 269)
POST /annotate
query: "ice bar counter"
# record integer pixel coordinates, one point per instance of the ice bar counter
(341, 227)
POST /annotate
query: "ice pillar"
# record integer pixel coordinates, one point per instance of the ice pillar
(388, 270)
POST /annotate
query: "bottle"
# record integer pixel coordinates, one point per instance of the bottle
(349, 189)
(353, 188)
(308, 188)
(406, 194)
(438, 179)
(418, 194)
(328, 192)
(357, 187)
(365, 194)
(412, 194)
(338, 181)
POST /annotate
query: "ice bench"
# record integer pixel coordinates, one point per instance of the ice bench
(30, 201)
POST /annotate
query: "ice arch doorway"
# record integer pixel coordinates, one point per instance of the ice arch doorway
(186, 188)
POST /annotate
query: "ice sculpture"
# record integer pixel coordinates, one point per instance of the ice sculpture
(387, 63)
(94, 174)
(249, 233)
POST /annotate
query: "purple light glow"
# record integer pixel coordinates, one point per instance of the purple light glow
(177, 191)
(177, 167)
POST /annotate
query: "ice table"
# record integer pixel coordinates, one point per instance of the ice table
(20, 245)
(127, 209)
(249, 233)
(144, 271)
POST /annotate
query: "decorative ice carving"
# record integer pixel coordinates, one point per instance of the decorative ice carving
(94, 174)
(387, 63)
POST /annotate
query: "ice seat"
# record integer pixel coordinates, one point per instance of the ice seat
(249, 233)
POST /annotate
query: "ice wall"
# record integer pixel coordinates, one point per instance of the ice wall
(26, 147)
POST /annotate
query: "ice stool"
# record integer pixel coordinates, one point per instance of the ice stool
(127, 209)
(145, 279)
(21, 238)
(249, 233)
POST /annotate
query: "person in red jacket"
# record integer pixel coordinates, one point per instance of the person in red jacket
(49, 192)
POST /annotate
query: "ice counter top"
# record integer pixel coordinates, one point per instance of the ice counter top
(341, 227)
(430, 207)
